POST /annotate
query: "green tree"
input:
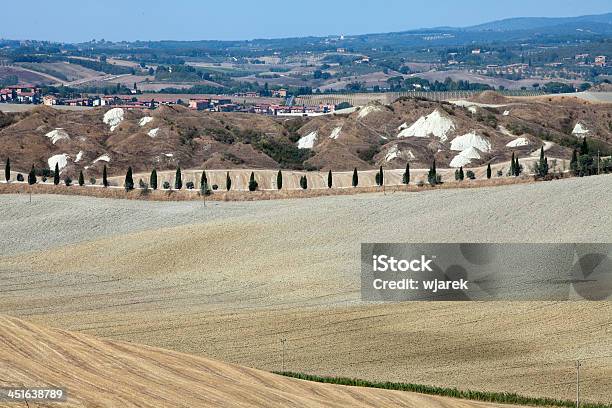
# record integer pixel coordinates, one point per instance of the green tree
(228, 182)
(56, 174)
(105, 177)
(81, 179)
(355, 178)
(330, 181)
(32, 176)
(489, 171)
(541, 166)
(304, 182)
(153, 179)
(279, 180)
(574, 162)
(406, 176)
(178, 180)
(584, 147)
(461, 174)
(204, 182)
(518, 169)
(7, 170)
(432, 175)
(512, 164)
(381, 179)
(252, 182)
(129, 180)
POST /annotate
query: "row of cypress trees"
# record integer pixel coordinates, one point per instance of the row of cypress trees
(32, 179)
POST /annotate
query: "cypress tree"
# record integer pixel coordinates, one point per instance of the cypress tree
(279, 180)
(584, 148)
(381, 179)
(56, 178)
(489, 171)
(512, 170)
(153, 179)
(406, 177)
(252, 182)
(355, 178)
(178, 180)
(574, 162)
(461, 174)
(304, 182)
(7, 170)
(203, 181)
(129, 180)
(104, 177)
(517, 167)
(81, 179)
(330, 181)
(542, 153)
(432, 176)
(32, 176)
(228, 182)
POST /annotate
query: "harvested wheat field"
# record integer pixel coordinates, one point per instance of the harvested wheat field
(228, 280)
(98, 372)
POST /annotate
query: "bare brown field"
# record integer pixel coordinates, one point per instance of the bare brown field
(103, 373)
(229, 280)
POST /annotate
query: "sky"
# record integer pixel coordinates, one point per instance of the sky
(112, 20)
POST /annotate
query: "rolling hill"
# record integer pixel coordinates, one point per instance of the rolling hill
(488, 128)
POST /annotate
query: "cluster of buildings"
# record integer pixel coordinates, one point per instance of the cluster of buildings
(586, 59)
(30, 94)
(21, 94)
(226, 105)
(282, 110)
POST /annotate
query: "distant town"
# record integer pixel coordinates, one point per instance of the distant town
(33, 95)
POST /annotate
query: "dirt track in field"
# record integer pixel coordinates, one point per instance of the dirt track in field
(229, 280)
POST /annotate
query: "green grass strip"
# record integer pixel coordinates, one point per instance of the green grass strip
(497, 397)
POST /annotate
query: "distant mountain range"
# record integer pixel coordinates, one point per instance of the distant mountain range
(536, 23)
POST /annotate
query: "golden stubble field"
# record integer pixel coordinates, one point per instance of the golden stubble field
(96, 372)
(230, 280)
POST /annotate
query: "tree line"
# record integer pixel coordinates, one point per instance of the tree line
(584, 162)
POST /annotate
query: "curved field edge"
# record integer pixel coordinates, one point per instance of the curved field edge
(497, 397)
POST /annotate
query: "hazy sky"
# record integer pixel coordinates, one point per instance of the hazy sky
(81, 20)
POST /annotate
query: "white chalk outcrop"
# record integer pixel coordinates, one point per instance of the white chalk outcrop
(79, 156)
(435, 124)
(465, 157)
(113, 118)
(104, 157)
(395, 152)
(335, 133)
(60, 159)
(308, 141)
(153, 132)
(143, 121)
(580, 130)
(58, 134)
(471, 140)
(518, 142)
(365, 111)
